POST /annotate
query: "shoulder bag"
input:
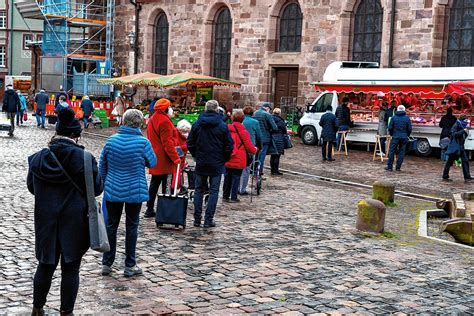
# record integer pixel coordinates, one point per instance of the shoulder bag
(97, 230)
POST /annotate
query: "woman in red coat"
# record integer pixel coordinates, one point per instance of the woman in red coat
(164, 138)
(238, 161)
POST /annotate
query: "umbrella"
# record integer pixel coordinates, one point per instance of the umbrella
(137, 79)
(189, 79)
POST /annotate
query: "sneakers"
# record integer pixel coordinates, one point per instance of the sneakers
(388, 169)
(106, 270)
(132, 271)
(149, 213)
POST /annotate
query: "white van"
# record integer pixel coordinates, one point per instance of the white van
(363, 82)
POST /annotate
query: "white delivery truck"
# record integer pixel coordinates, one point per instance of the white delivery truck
(425, 92)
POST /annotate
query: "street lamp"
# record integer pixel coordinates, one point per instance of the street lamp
(131, 39)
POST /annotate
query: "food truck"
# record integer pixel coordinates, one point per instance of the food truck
(426, 93)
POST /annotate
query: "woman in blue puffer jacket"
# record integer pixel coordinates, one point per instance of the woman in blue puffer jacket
(122, 166)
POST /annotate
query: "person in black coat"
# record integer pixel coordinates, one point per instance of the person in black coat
(459, 133)
(11, 105)
(211, 144)
(446, 123)
(329, 124)
(277, 148)
(343, 116)
(56, 178)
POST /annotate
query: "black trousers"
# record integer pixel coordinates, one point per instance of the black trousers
(156, 181)
(69, 283)
(327, 149)
(275, 163)
(464, 164)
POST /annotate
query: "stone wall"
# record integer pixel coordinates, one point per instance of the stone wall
(326, 37)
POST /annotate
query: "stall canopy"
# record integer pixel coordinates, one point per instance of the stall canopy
(432, 91)
(135, 80)
(188, 79)
(460, 87)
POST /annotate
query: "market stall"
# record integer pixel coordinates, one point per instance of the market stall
(188, 92)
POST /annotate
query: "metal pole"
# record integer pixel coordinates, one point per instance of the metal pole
(392, 33)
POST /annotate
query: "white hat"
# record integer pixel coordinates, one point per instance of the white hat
(401, 108)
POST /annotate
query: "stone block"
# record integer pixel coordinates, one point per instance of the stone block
(384, 191)
(371, 216)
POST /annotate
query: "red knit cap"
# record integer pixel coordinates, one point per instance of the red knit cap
(162, 104)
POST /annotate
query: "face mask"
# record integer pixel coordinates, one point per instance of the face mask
(170, 112)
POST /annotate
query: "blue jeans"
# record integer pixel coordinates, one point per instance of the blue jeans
(86, 121)
(399, 144)
(201, 183)
(339, 136)
(41, 113)
(132, 219)
(244, 180)
(263, 154)
(19, 117)
(231, 183)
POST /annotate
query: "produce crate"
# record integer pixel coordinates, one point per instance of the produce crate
(100, 113)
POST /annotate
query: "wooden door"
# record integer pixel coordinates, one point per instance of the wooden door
(286, 84)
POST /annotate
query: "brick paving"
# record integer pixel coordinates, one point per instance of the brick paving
(293, 250)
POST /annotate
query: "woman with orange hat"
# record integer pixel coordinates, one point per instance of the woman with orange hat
(164, 138)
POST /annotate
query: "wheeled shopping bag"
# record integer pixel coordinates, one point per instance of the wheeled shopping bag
(172, 208)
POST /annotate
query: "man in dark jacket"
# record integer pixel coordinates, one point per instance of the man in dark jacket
(329, 124)
(400, 129)
(390, 113)
(446, 123)
(60, 94)
(211, 144)
(88, 108)
(267, 127)
(41, 100)
(343, 116)
(11, 104)
(459, 133)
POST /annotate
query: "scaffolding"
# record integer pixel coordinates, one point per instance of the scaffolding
(77, 39)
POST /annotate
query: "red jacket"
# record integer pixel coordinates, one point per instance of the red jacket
(184, 146)
(242, 145)
(164, 139)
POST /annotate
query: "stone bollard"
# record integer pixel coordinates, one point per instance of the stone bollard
(371, 216)
(383, 191)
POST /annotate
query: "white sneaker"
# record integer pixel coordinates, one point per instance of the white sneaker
(381, 154)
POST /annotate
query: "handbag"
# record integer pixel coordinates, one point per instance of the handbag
(453, 148)
(25, 116)
(249, 155)
(287, 141)
(115, 111)
(97, 230)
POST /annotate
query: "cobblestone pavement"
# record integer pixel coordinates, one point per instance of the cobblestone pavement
(294, 249)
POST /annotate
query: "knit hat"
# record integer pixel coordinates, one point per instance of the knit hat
(401, 108)
(162, 104)
(266, 105)
(67, 123)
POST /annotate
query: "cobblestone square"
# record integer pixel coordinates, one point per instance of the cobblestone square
(293, 249)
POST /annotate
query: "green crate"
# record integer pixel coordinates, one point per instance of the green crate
(105, 124)
(100, 113)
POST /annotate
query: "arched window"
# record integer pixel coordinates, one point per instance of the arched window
(367, 40)
(291, 20)
(461, 32)
(161, 45)
(222, 44)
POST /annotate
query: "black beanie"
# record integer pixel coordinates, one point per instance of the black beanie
(67, 123)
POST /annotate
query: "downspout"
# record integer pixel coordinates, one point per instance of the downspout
(10, 40)
(392, 34)
(138, 8)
